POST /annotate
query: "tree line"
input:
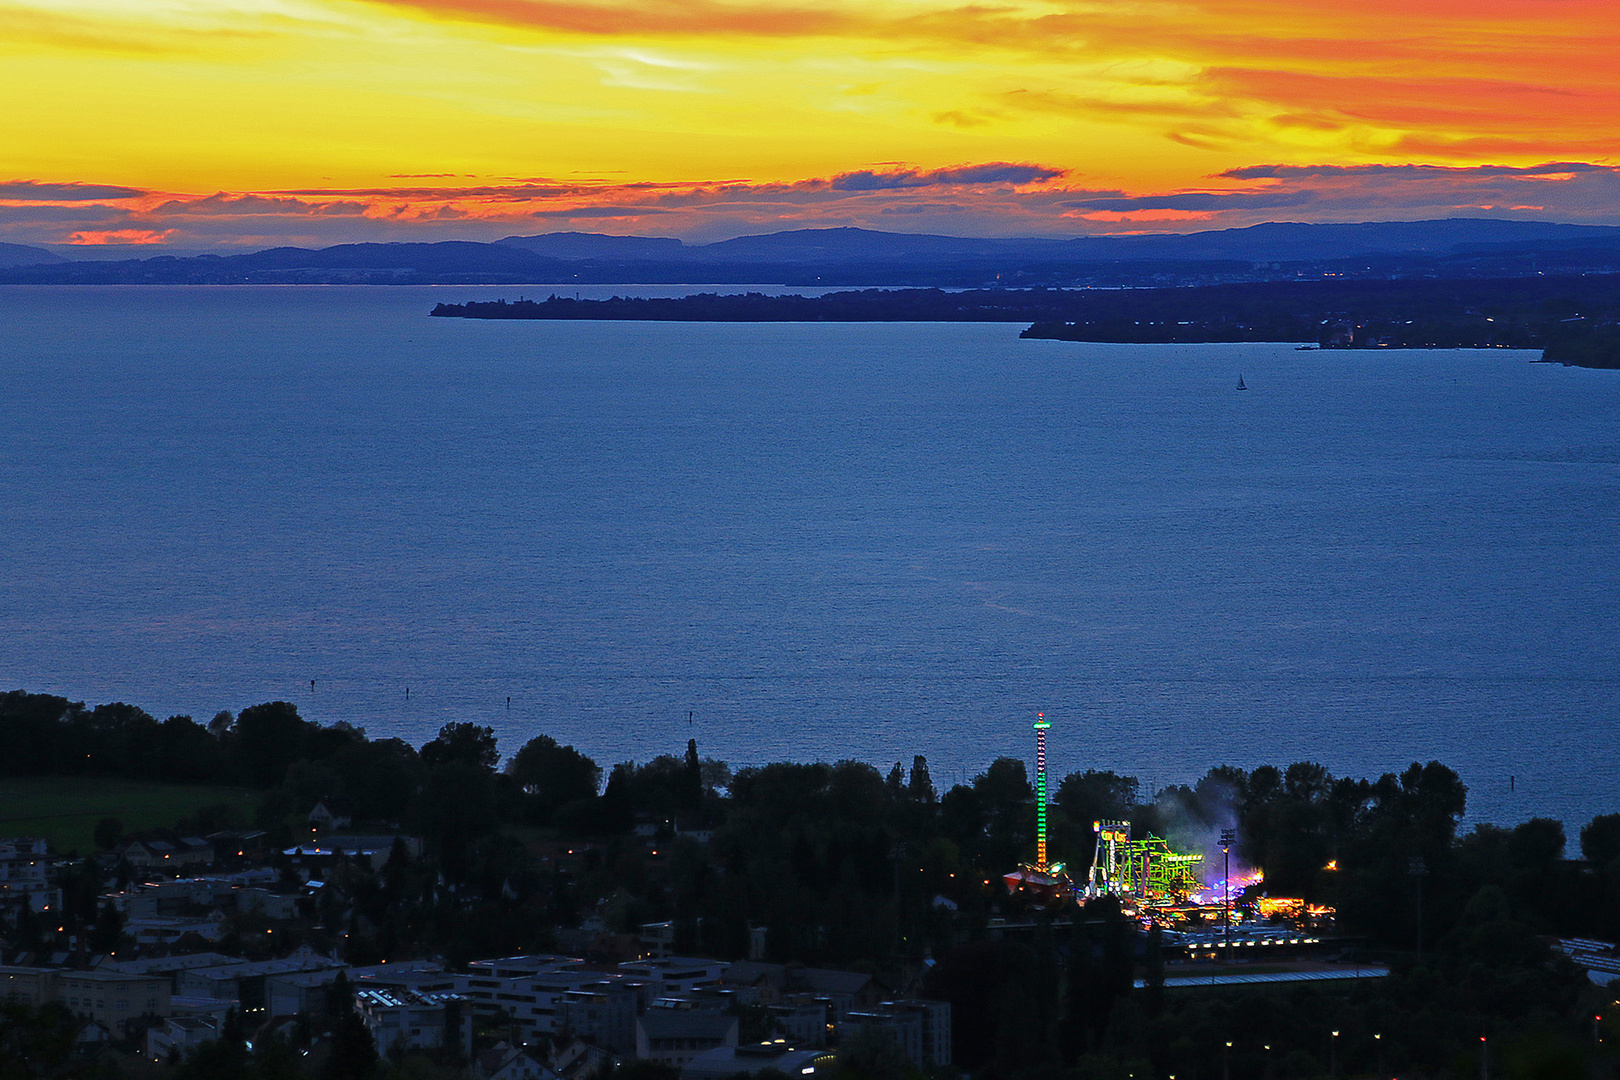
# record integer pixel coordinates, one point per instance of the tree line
(844, 864)
(790, 833)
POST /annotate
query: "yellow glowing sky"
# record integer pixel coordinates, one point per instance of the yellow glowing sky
(642, 114)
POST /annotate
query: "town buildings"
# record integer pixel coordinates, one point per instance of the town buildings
(562, 1018)
(114, 999)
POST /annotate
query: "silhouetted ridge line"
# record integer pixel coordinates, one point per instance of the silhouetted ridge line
(1275, 251)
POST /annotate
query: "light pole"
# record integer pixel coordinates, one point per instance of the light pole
(1226, 1061)
(1416, 867)
(1227, 836)
(1333, 1055)
(1484, 1059)
(1378, 1041)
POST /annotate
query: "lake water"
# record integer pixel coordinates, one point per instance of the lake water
(815, 541)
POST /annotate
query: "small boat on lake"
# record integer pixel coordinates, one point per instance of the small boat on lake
(1240, 382)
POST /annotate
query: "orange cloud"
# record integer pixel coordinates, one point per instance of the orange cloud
(332, 100)
(119, 236)
(990, 199)
(1140, 216)
(1464, 105)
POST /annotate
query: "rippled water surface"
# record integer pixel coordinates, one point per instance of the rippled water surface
(817, 541)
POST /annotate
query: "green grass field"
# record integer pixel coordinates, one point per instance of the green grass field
(65, 809)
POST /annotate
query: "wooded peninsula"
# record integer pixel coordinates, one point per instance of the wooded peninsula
(1572, 318)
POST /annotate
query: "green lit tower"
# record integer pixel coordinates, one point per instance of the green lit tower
(1042, 725)
(1040, 881)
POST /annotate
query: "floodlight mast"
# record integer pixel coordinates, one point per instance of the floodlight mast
(1228, 838)
(1041, 728)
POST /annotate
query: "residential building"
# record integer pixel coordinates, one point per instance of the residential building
(407, 1020)
(525, 988)
(847, 989)
(771, 984)
(156, 931)
(169, 967)
(419, 975)
(657, 938)
(24, 847)
(315, 859)
(25, 874)
(671, 975)
(576, 1059)
(729, 1062)
(237, 846)
(504, 1062)
(330, 814)
(245, 984)
(112, 998)
(674, 1036)
(167, 853)
(248, 891)
(922, 1029)
(178, 1035)
(756, 983)
(602, 1010)
(294, 992)
(803, 1020)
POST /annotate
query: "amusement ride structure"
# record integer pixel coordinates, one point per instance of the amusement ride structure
(1142, 873)
(1160, 886)
(1040, 880)
(1145, 870)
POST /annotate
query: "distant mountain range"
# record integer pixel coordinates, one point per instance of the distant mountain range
(23, 255)
(1450, 248)
(1271, 242)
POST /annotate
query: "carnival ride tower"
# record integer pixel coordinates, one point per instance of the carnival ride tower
(1042, 726)
(1040, 880)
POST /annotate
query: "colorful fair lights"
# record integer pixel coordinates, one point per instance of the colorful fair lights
(1042, 726)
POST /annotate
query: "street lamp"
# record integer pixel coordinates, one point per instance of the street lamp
(1378, 1040)
(1226, 1061)
(1418, 870)
(1333, 1055)
(1227, 837)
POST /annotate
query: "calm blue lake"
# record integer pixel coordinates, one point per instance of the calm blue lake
(816, 541)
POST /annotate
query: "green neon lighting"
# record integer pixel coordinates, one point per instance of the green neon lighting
(1042, 725)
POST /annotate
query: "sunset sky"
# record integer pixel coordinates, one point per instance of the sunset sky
(246, 123)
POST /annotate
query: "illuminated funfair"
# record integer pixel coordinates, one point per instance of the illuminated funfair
(1142, 873)
(1040, 880)
(1145, 871)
